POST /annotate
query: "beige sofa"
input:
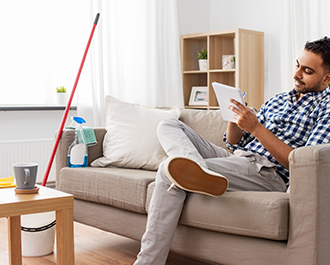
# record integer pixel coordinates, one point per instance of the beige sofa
(242, 228)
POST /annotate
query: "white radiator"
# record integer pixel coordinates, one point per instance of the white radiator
(35, 151)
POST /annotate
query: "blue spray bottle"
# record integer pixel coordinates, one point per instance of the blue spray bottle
(77, 153)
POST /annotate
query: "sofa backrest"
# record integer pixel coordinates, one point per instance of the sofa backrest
(207, 123)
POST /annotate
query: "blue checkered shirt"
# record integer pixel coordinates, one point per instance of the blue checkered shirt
(296, 123)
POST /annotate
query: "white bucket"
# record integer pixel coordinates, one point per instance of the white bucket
(38, 234)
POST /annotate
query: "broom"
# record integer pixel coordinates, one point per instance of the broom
(69, 104)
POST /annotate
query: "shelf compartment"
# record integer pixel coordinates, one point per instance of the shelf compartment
(191, 46)
(227, 78)
(220, 45)
(190, 80)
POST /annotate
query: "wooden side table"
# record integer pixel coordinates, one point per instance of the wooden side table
(14, 205)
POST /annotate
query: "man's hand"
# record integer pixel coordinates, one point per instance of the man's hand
(247, 120)
(245, 117)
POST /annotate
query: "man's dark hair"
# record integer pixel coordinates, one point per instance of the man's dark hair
(322, 48)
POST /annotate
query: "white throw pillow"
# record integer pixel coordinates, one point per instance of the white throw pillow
(131, 139)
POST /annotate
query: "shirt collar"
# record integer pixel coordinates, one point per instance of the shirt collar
(310, 95)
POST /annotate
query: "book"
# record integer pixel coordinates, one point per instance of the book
(223, 94)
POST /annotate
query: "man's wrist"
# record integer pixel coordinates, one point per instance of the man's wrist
(258, 130)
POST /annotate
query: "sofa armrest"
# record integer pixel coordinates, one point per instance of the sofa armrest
(309, 236)
(66, 140)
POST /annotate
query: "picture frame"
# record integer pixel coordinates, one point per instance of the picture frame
(199, 96)
(228, 62)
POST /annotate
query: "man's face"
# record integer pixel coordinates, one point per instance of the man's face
(310, 75)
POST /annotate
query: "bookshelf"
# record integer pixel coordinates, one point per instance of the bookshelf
(248, 48)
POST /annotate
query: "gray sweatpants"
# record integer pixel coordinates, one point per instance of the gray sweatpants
(244, 171)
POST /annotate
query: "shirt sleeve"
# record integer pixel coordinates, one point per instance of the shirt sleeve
(321, 130)
(246, 137)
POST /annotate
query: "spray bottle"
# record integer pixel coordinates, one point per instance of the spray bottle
(77, 153)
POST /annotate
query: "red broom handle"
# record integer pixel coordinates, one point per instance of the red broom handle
(69, 104)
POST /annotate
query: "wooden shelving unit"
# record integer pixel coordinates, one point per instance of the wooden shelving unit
(248, 75)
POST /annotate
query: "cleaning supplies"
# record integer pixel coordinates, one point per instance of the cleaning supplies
(88, 133)
(77, 153)
(89, 136)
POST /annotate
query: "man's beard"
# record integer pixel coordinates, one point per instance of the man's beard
(315, 88)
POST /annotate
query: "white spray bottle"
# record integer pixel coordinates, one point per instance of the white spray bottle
(77, 153)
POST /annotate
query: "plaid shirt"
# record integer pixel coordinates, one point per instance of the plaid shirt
(296, 123)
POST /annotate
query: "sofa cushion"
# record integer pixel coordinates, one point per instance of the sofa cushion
(118, 187)
(207, 123)
(131, 139)
(248, 213)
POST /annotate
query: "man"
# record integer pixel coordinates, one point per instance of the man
(261, 143)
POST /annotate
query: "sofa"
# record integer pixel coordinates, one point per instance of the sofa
(241, 228)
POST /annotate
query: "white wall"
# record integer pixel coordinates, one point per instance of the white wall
(258, 15)
(193, 16)
(212, 15)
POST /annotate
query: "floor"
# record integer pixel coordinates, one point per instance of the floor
(94, 247)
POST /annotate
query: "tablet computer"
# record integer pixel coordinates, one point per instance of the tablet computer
(223, 94)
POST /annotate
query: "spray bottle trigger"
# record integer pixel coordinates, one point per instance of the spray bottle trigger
(79, 120)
